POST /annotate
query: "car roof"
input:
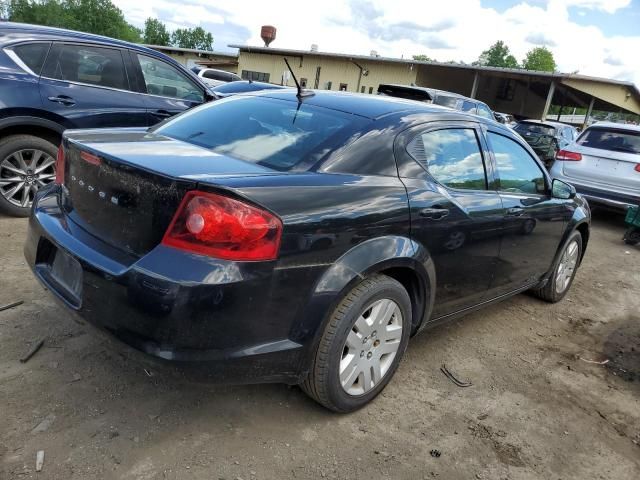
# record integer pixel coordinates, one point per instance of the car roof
(618, 126)
(546, 123)
(369, 106)
(18, 32)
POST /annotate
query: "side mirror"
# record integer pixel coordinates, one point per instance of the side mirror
(562, 190)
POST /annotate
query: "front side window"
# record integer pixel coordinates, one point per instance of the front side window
(452, 156)
(273, 133)
(468, 106)
(165, 80)
(611, 139)
(517, 170)
(92, 65)
(33, 55)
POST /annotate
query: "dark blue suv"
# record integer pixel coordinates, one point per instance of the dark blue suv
(53, 79)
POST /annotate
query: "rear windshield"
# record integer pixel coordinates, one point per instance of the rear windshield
(608, 139)
(274, 133)
(534, 128)
(217, 75)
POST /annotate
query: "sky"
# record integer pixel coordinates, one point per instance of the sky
(592, 37)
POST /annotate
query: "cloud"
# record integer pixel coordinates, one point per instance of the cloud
(615, 61)
(459, 29)
(539, 38)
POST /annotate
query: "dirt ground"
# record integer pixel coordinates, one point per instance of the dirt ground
(537, 409)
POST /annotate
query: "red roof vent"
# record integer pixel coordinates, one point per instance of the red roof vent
(268, 34)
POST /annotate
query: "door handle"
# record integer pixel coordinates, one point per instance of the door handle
(515, 211)
(162, 114)
(434, 213)
(64, 100)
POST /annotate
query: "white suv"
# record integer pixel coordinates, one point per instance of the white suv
(213, 77)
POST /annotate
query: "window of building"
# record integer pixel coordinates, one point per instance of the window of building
(362, 88)
(303, 82)
(370, 89)
(327, 86)
(517, 170)
(506, 89)
(452, 156)
(255, 76)
(343, 87)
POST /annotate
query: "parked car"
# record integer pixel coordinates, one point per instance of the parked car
(214, 77)
(438, 97)
(300, 239)
(603, 164)
(53, 79)
(243, 86)
(546, 138)
(505, 118)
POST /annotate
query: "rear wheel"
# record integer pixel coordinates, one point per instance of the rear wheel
(564, 270)
(27, 163)
(361, 346)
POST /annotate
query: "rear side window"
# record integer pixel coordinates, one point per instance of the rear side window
(518, 171)
(274, 133)
(446, 101)
(611, 139)
(87, 64)
(484, 111)
(452, 156)
(33, 55)
(468, 106)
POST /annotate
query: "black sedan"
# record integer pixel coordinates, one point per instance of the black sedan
(272, 237)
(546, 138)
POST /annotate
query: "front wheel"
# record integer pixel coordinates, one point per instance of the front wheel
(564, 270)
(361, 346)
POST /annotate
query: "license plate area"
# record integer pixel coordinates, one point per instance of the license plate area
(61, 272)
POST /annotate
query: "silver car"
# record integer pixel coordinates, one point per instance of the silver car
(603, 164)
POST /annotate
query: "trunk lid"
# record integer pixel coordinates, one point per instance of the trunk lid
(120, 190)
(605, 168)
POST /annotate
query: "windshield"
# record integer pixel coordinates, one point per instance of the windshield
(274, 133)
(525, 128)
(608, 139)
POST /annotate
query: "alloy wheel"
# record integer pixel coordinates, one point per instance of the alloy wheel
(23, 172)
(567, 266)
(371, 346)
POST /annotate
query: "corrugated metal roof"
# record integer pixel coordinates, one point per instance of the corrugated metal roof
(169, 48)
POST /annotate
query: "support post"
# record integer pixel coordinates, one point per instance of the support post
(474, 87)
(552, 89)
(586, 117)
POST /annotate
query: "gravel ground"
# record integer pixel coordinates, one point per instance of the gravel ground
(537, 409)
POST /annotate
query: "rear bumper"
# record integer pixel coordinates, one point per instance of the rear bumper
(600, 196)
(223, 319)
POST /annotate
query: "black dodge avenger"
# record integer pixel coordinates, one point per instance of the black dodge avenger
(277, 237)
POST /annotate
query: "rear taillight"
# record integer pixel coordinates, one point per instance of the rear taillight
(223, 227)
(637, 168)
(60, 165)
(566, 155)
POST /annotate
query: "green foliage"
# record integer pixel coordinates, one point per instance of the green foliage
(540, 58)
(423, 58)
(156, 33)
(497, 55)
(192, 38)
(101, 17)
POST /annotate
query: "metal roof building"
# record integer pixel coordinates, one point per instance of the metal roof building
(523, 93)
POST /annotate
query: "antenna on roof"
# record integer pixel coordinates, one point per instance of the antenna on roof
(301, 92)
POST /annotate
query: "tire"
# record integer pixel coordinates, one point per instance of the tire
(632, 236)
(27, 144)
(372, 296)
(555, 289)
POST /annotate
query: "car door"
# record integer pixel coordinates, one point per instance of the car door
(455, 213)
(89, 86)
(168, 90)
(533, 221)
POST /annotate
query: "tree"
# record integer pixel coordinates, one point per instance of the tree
(423, 58)
(156, 33)
(101, 17)
(541, 59)
(192, 38)
(497, 55)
